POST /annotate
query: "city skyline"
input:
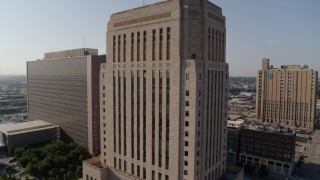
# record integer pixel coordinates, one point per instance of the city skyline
(286, 31)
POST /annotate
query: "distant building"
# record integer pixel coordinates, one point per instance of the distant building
(28, 133)
(233, 143)
(286, 95)
(64, 89)
(266, 145)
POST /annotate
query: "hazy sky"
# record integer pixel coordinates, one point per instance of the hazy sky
(286, 31)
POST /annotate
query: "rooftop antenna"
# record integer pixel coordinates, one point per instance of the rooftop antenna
(143, 2)
(84, 42)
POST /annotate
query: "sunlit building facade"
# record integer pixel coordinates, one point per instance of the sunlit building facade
(286, 95)
(164, 94)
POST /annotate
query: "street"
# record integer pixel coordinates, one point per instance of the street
(310, 169)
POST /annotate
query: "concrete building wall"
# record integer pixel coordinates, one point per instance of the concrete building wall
(287, 96)
(93, 91)
(32, 137)
(63, 91)
(163, 92)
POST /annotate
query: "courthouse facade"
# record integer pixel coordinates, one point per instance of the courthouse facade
(164, 94)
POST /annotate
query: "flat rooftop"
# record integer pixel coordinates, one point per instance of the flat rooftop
(266, 127)
(94, 162)
(235, 123)
(70, 53)
(19, 128)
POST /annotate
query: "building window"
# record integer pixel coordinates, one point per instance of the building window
(185, 153)
(132, 168)
(152, 175)
(138, 171)
(187, 113)
(185, 172)
(187, 92)
(187, 103)
(186, 143)
(186, 163)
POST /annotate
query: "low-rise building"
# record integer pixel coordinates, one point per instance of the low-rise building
(28, 133)
(272, 146)
(233, 140)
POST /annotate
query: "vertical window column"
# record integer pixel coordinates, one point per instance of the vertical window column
(132, 47)
(153, 45)
(160, 119)
(160, 44)
(153, 118)
(124, 47)
(168, 43)
(144, 117)
(132, 114)
(124, 113)
(119, 48)
(114, 114)
(209, 43)
(114, 49)
(167, 117)
(144, 45)
(138, 46)
(138, 115)
(119, 110)
(212, 46)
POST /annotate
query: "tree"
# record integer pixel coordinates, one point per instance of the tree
(263, 171)
(53, 161)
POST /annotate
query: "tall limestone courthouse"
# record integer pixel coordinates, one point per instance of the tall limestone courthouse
(164, 94)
